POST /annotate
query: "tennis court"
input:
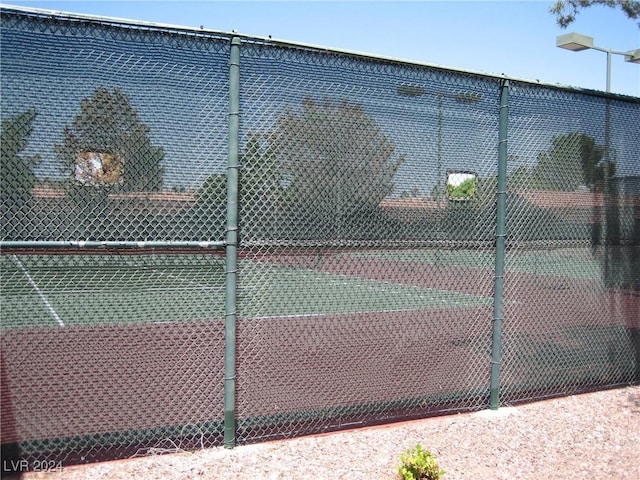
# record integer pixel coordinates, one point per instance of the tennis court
(56, 290)
(576, 263)
(128, 320)
(359, 289)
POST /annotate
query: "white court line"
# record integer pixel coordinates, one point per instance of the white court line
(177, 277)
(332, 314)
(33, 284)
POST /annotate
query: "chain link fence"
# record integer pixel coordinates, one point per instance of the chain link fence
(572, 287)
(362, 282)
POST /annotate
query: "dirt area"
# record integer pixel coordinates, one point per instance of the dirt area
(594, 435)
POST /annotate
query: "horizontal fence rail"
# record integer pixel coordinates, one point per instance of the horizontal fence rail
(211, 239)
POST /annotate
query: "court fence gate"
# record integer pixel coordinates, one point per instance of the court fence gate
(210, 239)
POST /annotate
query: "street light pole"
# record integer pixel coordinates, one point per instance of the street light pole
(609, 52)
(412, 91)
(577, 42)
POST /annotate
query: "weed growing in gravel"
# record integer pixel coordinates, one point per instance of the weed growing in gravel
(419, 464)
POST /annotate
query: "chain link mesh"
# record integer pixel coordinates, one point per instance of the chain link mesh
(357, 267)
(366, 260)
(110, 134)
(120, 138)
(571, 286)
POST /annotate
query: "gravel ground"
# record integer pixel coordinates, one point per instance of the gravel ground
(594, 435)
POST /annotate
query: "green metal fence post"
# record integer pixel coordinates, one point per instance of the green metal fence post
(232, 248)
(500, 247)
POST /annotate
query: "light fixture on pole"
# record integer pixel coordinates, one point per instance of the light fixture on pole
(633, 56)
(577, 42)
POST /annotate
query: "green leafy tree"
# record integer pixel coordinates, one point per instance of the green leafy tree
(209, 210)
(592, 160)
(337, 164)
(259, 188)
(566, 11)
(466, 189)
(16, 170)
(107, 124)
(17, 178)
(521, 177)
(260, 179)
(327, 161)
(213, 190)
(573, 160)
(258, 175)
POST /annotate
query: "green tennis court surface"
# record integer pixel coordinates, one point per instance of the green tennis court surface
(570, 263)
(97, 289)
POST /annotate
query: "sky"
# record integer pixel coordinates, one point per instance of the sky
(514, 38)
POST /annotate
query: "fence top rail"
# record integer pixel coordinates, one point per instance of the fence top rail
(180, 29)
(98, 244)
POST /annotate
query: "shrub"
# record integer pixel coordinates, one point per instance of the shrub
(419, 464)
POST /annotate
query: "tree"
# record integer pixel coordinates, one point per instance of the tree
(108, 137)
(213, 191)
(16, 171)
(258, 177)
(17, 178)
(573, 160)
(259, 188)
(592, 159)
(464, 190)
(337, 164)
(521, 177)
(260, 180)
(208, 214)
(566, 10)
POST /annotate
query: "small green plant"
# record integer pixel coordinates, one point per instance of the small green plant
(419, 464)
